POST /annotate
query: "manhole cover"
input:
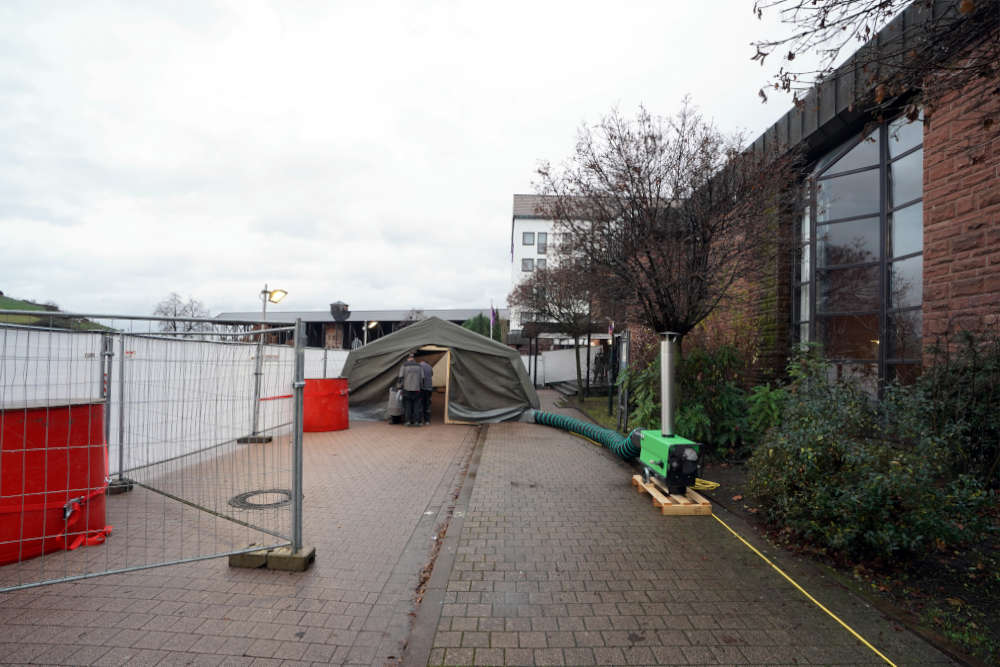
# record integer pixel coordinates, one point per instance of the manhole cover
(261, 500)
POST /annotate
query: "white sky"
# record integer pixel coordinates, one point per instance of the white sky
(365, 152)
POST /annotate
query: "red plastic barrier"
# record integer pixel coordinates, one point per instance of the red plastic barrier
(324, 405)
(53, 475)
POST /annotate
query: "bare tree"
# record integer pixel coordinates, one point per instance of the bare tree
(941, 47)
(669, 210)
(174, 306)
(562, 296)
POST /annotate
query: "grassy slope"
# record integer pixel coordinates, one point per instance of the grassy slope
(42, 319)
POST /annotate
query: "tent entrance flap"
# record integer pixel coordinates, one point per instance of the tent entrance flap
(443, 354)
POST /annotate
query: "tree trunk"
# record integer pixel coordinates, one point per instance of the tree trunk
(579, 371)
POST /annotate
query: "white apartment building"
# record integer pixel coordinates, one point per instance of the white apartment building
(533, 240)
(531, 247)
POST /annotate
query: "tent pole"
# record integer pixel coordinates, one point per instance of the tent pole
(534, 382)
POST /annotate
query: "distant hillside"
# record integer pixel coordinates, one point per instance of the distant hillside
(38, 318)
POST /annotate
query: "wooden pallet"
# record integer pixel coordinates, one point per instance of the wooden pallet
(690, 503)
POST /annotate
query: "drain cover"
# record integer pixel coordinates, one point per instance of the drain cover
(262, 499)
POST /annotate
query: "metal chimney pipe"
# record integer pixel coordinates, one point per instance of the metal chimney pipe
(668, 359)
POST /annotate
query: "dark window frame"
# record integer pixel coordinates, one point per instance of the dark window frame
(527, 238)
(527, 264)
(884, 262)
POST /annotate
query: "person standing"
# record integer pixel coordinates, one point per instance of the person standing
(411, 377)
(426, 389)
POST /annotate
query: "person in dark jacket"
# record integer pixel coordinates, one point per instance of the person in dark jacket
(426, 388)
(411, 377)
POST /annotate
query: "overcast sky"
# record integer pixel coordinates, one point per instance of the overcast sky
(365, 152)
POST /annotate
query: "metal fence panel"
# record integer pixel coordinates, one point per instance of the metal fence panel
(124, 446)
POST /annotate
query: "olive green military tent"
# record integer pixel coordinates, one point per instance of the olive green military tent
(483, 380)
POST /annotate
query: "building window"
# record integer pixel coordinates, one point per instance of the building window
(528, 238)
(543, 243)
(527, 264)
(859, 274)
(540, 263)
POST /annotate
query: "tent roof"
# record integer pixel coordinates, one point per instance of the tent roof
(433, 331)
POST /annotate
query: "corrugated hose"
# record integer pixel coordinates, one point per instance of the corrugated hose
(623, 445)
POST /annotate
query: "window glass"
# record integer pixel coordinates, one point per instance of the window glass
(806, 226)
(904, 334)
(540, 263)
(904, 135)
(906, 282)
(852, 242)
(865, 306)
(865, 154)
(846, 290)
(847, 196)
(865, 375)
(907, 177)
(804, 333)
(527, 264)
(848, 336)
(543, 243)
(906, 227)
(904, 373)
(528, 238)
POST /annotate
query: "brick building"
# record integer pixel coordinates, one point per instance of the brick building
(897, 243)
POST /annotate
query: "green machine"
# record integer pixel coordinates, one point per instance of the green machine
(668, 457)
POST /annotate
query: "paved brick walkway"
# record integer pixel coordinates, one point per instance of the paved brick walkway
(561, 562)
(374, 496)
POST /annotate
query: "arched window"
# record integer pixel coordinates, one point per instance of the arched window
(859, 279)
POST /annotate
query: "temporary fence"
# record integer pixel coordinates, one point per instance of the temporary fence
(134, 442)
(324, 363)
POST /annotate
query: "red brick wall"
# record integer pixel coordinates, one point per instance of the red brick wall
(962, 214)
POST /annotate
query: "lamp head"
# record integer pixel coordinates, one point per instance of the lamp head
(276, 295)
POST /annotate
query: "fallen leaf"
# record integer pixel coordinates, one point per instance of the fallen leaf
(737, 497)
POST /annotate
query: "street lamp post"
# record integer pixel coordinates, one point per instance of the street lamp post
(274, 296)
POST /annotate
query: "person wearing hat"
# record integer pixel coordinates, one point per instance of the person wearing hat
(411, 378)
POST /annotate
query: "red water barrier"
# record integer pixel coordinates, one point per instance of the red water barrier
(324, 405)
(53, 472)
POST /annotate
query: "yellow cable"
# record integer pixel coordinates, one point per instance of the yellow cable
(803, 591)
(706, 485)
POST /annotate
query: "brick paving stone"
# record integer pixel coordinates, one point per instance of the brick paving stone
(489, 656)
(459, 656)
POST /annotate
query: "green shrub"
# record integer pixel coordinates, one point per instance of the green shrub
(764, 406)
(958, 397)
(836, 472)
(712, 407)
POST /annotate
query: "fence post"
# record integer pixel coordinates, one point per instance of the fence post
(121, 408)
(324, 361)
(107, 371)
(257, 373)
(298, 385)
